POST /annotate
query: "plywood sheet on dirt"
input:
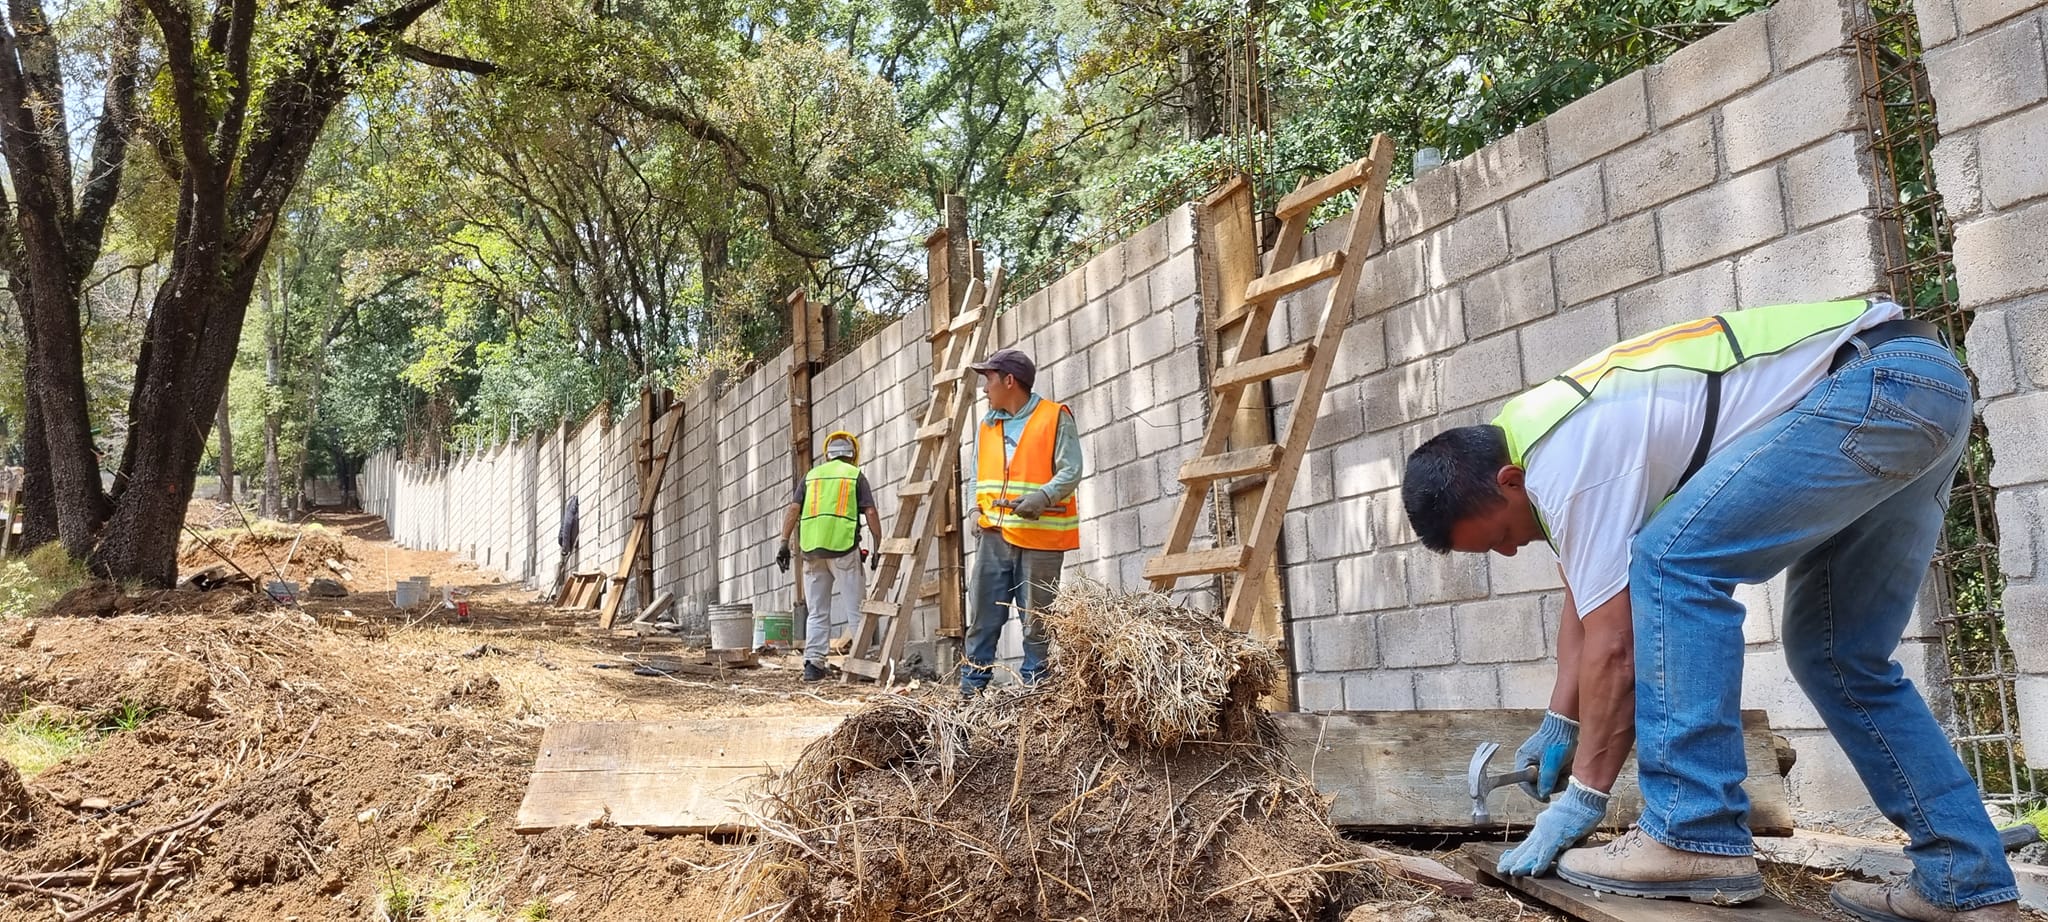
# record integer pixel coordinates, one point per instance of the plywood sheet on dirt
(1406, 769)
(1581, 903)
(661, 776)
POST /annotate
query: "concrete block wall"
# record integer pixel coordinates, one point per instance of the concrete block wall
(1987, 64)
(1732, 174)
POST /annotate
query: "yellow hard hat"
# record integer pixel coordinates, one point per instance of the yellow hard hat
(853, 445)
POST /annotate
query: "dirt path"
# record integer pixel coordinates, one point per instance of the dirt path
(370, 760)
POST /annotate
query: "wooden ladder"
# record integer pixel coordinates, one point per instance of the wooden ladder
(656, 449)
(892, 597)
(1249, 363)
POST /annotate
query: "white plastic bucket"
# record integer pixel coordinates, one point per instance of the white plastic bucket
(414, 591)
(732, 626)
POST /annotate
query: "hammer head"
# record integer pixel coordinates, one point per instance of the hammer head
(1475, 777)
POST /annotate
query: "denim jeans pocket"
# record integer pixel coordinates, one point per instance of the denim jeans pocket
(1911, 421)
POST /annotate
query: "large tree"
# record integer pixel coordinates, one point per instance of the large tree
(238, 94)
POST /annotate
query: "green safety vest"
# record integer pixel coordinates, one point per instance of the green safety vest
(1712, 346)
(831, 508)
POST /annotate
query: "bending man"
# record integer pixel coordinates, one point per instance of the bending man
(1818, 440)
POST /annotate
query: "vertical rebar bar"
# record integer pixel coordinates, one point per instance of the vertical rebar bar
(1917, 237)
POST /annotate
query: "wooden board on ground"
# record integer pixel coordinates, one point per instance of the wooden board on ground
(1425, 871)
(1571, 899)
(1406, 770)
(684, 776)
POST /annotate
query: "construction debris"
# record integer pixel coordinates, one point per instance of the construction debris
(1141, 781)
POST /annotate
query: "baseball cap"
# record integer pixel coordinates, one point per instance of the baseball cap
(1010, 362)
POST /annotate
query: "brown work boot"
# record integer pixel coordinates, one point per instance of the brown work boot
(1637, 865)
(1899, 902)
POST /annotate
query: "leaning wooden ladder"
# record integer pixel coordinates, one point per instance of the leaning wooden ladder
(651, 466)
(892, 597)
(1248, 363)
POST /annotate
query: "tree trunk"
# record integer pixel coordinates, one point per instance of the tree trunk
(227, 453)
(273, 343)
(1198, 90)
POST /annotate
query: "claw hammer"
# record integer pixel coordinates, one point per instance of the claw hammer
(1482, 784)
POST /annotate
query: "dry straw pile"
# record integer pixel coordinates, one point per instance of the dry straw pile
(1140, 781)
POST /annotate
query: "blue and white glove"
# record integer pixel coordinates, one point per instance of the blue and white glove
(1560, 826)
(1551, 750)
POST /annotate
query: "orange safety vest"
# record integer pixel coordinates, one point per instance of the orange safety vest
(1028, 468)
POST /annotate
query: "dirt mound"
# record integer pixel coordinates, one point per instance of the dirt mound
(263, 550)
(1141, 782)
(102, 600)
(17, 807)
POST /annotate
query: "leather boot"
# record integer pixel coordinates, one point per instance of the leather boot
(1637, 865)
(1899, 902)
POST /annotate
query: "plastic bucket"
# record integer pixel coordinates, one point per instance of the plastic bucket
(772, 627)
(731, 626)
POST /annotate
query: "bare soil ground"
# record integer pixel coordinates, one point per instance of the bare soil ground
(361, 762)
(348, 760)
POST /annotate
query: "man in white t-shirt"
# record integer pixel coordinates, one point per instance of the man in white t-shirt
(1817, 439)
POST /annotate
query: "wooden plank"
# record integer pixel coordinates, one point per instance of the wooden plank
(1229, 464)
(900, 546)
(1482, 857)
(1296, 277)
(937, 430)
(1419, 870)
(661, 603)
(1271, 365)
(1196, 563)
(1227, 258)
(865, 668)
(1407, 769)
(663, 776)
(1306, 198)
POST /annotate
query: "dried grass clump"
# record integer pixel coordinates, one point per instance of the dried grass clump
(1159, 673)
(1058, 802)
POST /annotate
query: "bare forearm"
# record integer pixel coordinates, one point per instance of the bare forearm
(1607, 693)
(875, 527)
(789, 519)
(1564, 693)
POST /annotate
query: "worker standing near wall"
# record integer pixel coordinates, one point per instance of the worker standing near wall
(1027, 464)
(825, 516)
(1819, 440)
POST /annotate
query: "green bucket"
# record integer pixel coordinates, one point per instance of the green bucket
(771, 627)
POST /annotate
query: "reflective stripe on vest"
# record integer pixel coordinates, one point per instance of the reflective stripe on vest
(1029, 468)
(831, 507)
(1711, 346)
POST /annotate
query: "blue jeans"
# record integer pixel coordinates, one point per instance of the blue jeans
(1006, 575)
(1847, 492)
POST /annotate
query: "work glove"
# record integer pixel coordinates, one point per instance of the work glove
(782, 557)
(1550, 749)
(1560, 826)
(1032, 505)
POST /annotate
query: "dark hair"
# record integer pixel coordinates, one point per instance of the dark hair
(1451, 478)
